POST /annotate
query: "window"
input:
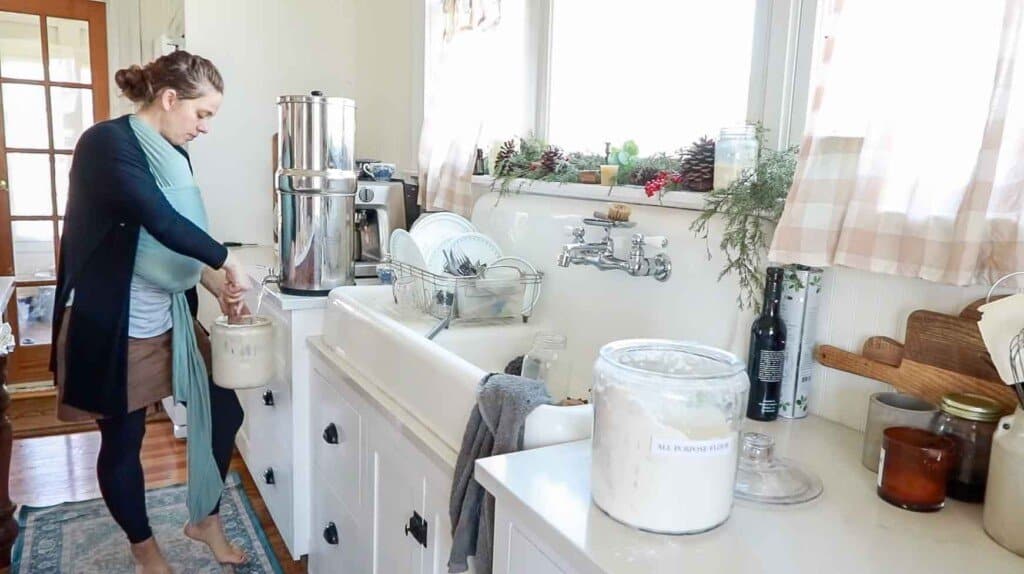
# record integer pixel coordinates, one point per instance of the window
(661, 73)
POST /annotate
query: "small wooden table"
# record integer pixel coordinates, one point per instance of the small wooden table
(8, 525)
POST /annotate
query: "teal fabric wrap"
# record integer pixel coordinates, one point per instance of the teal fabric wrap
(176, 274)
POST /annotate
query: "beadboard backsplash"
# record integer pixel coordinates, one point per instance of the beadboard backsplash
(693, 304)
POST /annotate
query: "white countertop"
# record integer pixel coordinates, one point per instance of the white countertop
(848, 529)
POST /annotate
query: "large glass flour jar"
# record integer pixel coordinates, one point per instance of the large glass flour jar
(667, 418)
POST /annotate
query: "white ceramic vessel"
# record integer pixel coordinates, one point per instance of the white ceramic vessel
(243, 352)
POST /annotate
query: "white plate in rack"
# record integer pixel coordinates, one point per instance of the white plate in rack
(432, 230)
(476, 246)
(405, 250)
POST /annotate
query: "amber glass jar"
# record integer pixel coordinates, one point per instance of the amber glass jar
(913, 468)
(970, 420)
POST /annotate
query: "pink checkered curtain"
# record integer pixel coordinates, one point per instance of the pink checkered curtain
(456, 102)
(913, 161)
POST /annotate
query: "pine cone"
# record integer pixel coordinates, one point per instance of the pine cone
(697, 165)
(643, 174)
(504, 157)
(551, 159)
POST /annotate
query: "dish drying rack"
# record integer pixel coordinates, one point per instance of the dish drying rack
(450, 298)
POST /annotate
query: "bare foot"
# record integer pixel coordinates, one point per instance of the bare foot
(149, 559)
(210, 531)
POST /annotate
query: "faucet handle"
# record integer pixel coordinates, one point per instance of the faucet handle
(578, 232)
(653, 241)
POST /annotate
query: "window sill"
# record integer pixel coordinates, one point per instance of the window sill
(629, 194)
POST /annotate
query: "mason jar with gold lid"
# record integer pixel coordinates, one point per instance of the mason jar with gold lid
(970, 420)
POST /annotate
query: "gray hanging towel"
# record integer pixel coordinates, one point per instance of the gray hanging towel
(495, 427)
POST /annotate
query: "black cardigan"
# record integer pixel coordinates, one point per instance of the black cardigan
(112, 194)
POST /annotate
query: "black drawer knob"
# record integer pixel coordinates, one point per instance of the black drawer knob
(331, 434)
(268, 398)
(268, 476)
(331, 534)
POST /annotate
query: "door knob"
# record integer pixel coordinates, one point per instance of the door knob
(268, 476)
(331, 534)
(3, 185)
(331, 434)
(268, 398)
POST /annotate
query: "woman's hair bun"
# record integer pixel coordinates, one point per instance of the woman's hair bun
(189, 75)
(134, 83)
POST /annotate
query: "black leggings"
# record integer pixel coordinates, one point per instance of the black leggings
(119, 467)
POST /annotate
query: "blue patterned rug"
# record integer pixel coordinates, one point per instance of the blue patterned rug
(82, 538)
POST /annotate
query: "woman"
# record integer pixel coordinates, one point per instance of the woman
(124, 325)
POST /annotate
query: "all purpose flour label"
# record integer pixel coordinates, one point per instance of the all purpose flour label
(674, 447)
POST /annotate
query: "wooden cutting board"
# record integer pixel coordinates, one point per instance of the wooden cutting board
(942, 354)
(925, 381)
(948, 342)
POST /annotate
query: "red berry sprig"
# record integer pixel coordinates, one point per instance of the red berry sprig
(658, 182)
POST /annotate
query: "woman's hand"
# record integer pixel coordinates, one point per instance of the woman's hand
(231, 295)
(235, 274)
(232, 302)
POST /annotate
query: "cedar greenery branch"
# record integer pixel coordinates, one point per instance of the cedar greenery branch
(751, 207)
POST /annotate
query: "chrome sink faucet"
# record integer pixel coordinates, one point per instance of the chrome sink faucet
(602, 253)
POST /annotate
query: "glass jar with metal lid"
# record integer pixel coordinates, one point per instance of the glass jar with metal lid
(667, 417)
(970, 420)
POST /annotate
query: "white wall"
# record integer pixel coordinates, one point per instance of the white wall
(263, 49)
(388, 52)
(693, 304)
(131, 35)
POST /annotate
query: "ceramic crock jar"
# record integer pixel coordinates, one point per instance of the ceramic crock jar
(1003, 517)
(243, 352)
(667, 418)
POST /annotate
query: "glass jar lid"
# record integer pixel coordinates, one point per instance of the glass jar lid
(664, 362)
(739, 131)
(763, 477)
(972, 407)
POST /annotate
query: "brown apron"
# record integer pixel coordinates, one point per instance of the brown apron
(148, 376)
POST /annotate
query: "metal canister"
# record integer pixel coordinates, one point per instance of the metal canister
(316, 183)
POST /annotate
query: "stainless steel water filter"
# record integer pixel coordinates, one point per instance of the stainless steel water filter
(316, 186)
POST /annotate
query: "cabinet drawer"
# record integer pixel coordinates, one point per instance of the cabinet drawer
(268, 416)
(526, 558)
(336, 433)
(337, 543)
(275, 488)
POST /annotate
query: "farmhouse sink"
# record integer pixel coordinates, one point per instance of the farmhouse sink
(436, 380)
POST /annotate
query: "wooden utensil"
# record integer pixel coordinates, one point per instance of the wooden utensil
(884, 350)
(925, 381)
(971, 311)
(948, 342)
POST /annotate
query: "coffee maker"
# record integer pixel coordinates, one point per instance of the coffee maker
(379, 210)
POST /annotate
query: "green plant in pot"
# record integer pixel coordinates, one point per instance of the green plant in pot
(750, 207)
(626, 157)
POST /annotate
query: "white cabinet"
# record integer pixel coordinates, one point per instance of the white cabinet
(274, 439)
(374, 479)
(398, 494)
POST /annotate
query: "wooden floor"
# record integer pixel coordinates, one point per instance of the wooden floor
(37, 416)
(54, 469)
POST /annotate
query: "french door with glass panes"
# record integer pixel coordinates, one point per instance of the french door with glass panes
(53, 85)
